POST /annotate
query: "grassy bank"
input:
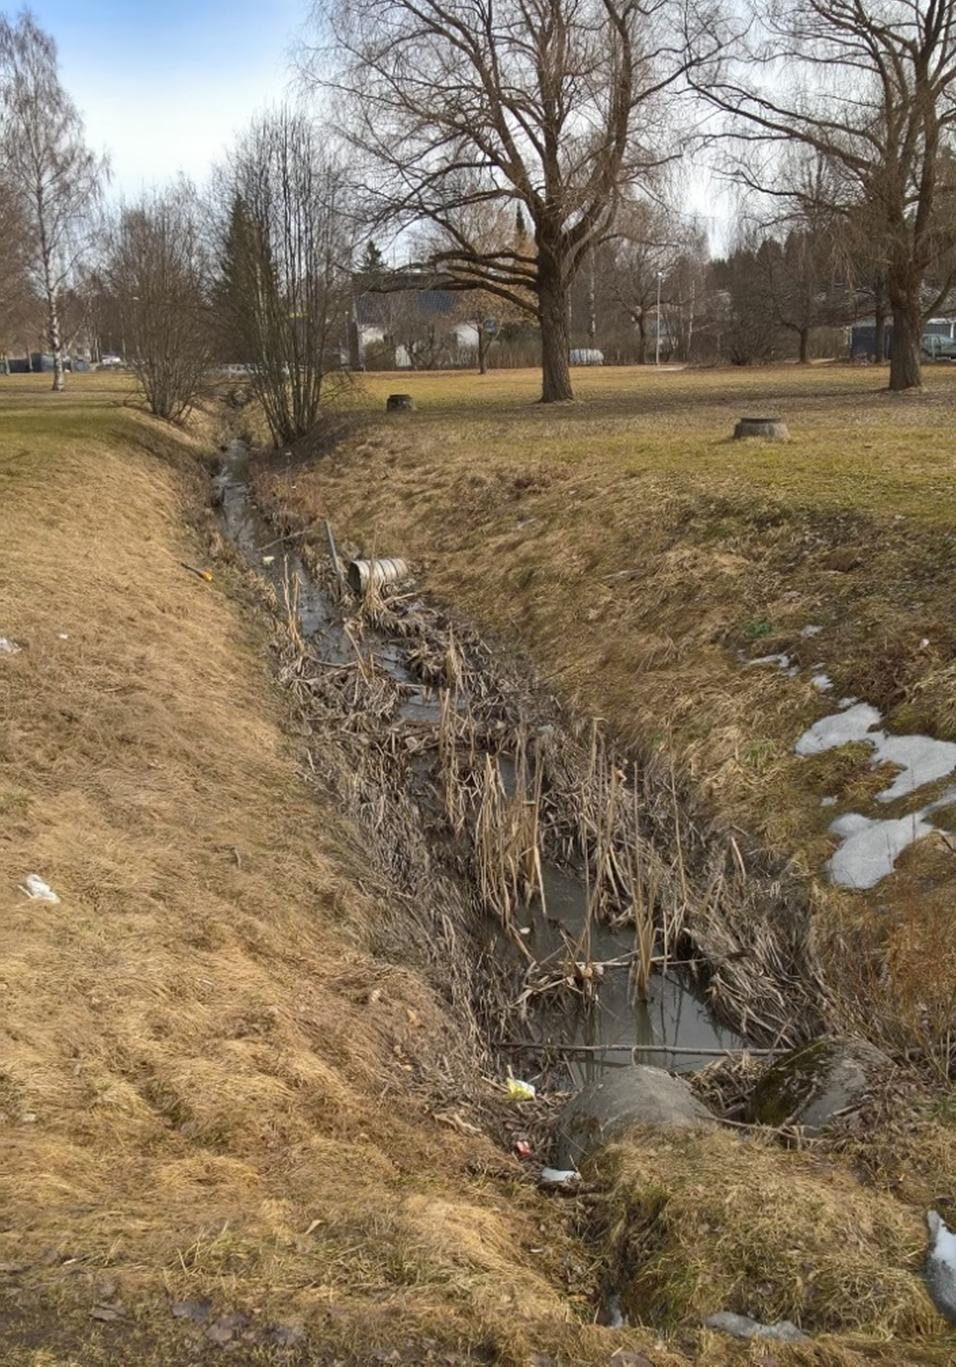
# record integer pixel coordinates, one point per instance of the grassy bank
(214, 1088)
(641, 557)
(211, 1088)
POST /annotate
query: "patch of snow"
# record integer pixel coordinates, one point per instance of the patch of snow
(828, 802)
(847, 702)
(828, 733)
(823, 682)
(871, 848)
(811, 630)
(920, 759)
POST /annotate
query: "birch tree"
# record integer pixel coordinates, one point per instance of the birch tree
(47, 165)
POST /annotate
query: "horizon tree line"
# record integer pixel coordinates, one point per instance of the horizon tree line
(524, 153)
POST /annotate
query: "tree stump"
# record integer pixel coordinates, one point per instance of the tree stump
(399, 403)
(769, 429)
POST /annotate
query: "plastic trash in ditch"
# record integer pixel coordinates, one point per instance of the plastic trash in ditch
(8, 647)
(37, 890)
(520, 1091)
(366, 575)
(941, 1265)
(558, 1177)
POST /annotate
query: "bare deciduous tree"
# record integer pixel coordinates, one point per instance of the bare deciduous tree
(285, 284)
(553, 105)
(18, 302)
(870, 90)
(47, 164)
(157, 276)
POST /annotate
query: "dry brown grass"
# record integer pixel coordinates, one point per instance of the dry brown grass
(635, 552)
(201, 1093)
(705, 1223)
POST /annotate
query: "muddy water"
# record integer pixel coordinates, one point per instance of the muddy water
(672, 1016)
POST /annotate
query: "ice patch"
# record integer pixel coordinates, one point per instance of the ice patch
(847, 702)
(920, 759)
(871, 848)
(856, 723)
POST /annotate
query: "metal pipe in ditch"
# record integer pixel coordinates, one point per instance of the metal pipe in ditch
(365, 575)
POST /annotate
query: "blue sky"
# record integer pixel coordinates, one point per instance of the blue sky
(164, 84)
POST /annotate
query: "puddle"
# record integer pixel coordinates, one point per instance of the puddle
(869, 846)
(672, 1017)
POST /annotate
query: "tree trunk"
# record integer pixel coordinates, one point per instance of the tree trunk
(555, 333)
(905, 368)
(641, 340)
(52, 316)
(804, 345)
(879, 318)
(482, 350)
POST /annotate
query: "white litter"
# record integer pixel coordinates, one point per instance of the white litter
(8, 647)
(63, 635)
(268, 559)
(35, 888)
(941, 1265)
(559, 1177)
(781, 661)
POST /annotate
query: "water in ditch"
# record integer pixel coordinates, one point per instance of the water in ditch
(673, 1028)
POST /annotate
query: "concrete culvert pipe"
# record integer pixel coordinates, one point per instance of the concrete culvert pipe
(364, 575)
(399, 403)
(770, 429)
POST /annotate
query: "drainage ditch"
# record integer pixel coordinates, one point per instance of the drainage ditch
(579, 915)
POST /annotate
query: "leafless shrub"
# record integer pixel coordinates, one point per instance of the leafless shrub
(157, 274)
(285, 281)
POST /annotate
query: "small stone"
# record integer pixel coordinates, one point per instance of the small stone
(286, 1335)
(107, 1313)
(192, 1310)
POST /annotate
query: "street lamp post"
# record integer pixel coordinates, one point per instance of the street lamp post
(657, 347)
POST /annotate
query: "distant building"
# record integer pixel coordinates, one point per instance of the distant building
(414, 323)
(938, 340)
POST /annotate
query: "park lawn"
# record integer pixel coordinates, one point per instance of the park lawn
(639, 556)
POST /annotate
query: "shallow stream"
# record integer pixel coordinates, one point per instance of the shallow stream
(673, 1017)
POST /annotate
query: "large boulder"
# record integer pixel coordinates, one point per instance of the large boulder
(624, 1100)
(812, 1084)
